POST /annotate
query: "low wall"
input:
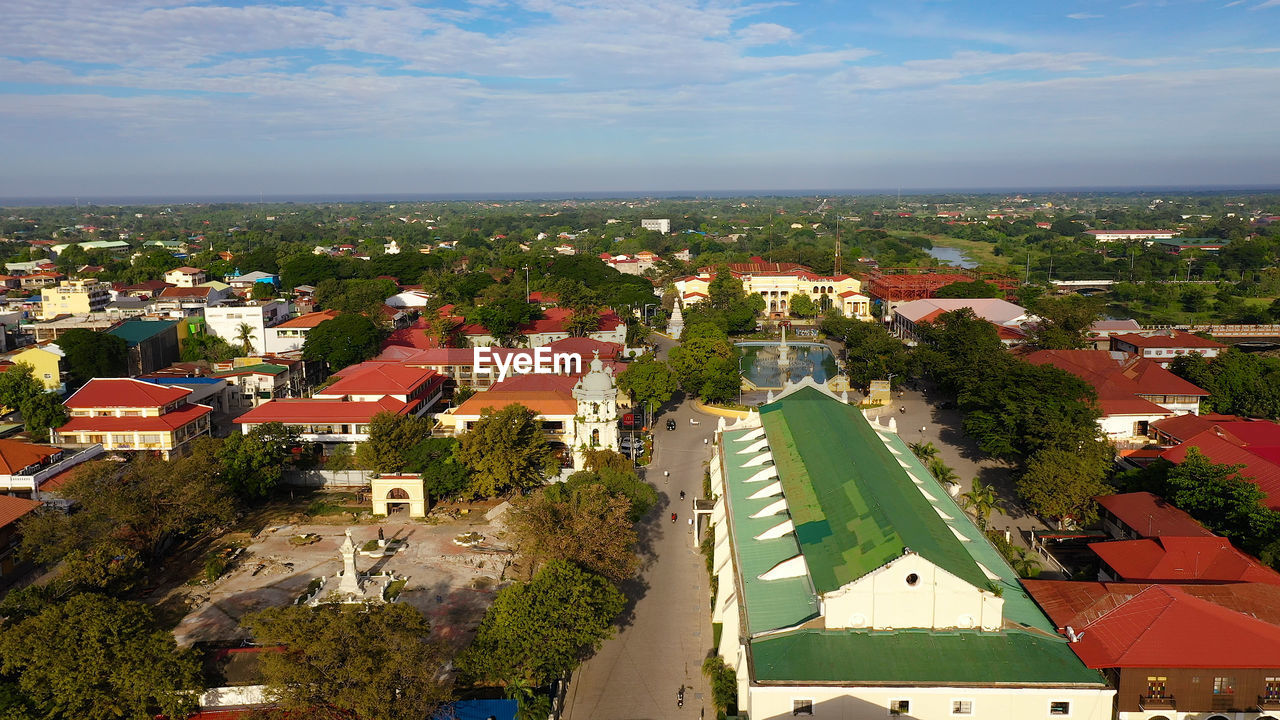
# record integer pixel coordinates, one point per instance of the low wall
(328, 478)
(721, 412)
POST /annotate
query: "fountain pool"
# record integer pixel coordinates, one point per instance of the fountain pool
(771, 365)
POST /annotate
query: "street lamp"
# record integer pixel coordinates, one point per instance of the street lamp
(740, 371)
(644, 312)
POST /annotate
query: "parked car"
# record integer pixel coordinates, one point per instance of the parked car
(671, 423)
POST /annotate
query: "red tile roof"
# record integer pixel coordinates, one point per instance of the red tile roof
(1182, 559)
(1157, 626)
(1152, 516)
(1168, 339)
(124, 393)
(13, 508)
(1225, 449)
(306, 411)
(168, 421)
(374, 378)
(15, 456)
(309, 320)
(1119, 381)
(186, 270)
(185, 292)
(1181, 427)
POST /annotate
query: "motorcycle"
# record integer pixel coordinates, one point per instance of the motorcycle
(680, 697)
(673, 517)
(681, 494)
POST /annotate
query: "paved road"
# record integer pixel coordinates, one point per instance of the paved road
(636, 673)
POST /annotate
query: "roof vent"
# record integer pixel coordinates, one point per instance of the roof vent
(1072, 636)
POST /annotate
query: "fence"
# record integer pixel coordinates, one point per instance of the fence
(328, 478)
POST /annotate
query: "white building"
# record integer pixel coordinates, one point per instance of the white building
(185, 277)
(779, 283)
(1113, 235)
(851, 584)
(291, 334)
(662, 225)
(225, 321)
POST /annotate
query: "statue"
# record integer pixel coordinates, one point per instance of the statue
(350, 576)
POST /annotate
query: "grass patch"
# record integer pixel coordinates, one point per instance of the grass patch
(394, 589)
(370, 546)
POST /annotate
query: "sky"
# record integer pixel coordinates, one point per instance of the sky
(237, 97)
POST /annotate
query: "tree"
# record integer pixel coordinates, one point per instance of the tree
(127, 515)
(585, 525)
(724, 290)
(1214, 493)
(1013, 408)
(244, 334)
(435, 458)
(649, 382)
(92, 657)
(90, 354)
(506, 450)
(926, 451)
(971, 289)
(253, 463)
(390, 436)
(340, 662)
(1061, 484)
(18, 384)
(721, 381)
(1065, 321)
(538, 631)
(618, 477)
(871, 351)
(981, 499)
(364, 297)
(42, 412)
(262, 291)
(689, 362)
(942, 472)
(208, 348)
(803, 306)
(345, 340)
(308, 269)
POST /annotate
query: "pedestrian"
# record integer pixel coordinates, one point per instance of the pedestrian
(690, 523)
(704, 441)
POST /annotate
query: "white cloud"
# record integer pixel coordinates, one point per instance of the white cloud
(1084, 16)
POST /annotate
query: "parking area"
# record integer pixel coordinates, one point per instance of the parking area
(450, 583)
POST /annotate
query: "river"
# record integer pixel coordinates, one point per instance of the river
(952, 256)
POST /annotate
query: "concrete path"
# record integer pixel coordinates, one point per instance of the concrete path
(661, 647)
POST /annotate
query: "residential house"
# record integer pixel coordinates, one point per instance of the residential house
(1164, 346)
(1008, 319)
(144, 290)
(1177, 559)
(127, 415)
(1141, 515)
(183, 301)
(291, 334)
(74, 297)
(42, 279)
(1100, 332)
(1251, 445)
(51, 330)
(185, 277)
(850, 584)
(552, 326)
(153, 344)
(243, 285)
(225, 321)
(24, 466)
(47, 363)
(255, 384)
(1133, 392)
(1175, 651)
(12, 510)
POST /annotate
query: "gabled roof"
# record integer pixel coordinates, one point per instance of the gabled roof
(1168, 339)
(1224, 449)
(309, 320)
(1182, 427)
(374, 378)
(1182, 559)
(1119, 379)
(178, 293)
(179, 416)
(14, 508)
(854, 507)
(124, 393)
(185, 270)
(1152, 516)
(14, 455)
(541, 402)
(308, 411)
(993, 310)
(1157, 626)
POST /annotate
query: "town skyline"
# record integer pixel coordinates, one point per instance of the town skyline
(148, 97)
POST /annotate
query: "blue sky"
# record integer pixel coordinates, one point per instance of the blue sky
(390, 96)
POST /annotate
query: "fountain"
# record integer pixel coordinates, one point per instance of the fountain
(774, 364)
(353, 586)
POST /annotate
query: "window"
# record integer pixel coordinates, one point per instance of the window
(912, 579)
(1156, 686)
(961, 707)
(899, 707)
(1224, 685)
(801, 707)
(1060, 708)
(1272, 691)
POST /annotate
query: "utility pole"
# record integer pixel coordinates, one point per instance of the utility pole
(837, 265)
(526, 282)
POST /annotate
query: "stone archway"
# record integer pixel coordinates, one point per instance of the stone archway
(397, 493)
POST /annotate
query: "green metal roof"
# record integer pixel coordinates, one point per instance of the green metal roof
(769, 604)
(967, 657)
(262, 368)
(136, 330)
(854, 505)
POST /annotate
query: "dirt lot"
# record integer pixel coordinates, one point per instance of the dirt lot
(451, 584)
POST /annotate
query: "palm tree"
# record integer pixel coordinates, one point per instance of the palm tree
(1026, 564)
(980, 500)
(941, 471)
(244, 334)
(926, 451)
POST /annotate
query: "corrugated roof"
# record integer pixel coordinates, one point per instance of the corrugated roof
(12, 508)
(1182, 559)
(306, 411)
(966, 657)
(182, 415)
(1152, 516)
(541, 402)
(309, 320)
(1168, 339)
(855, 508)
(14, 455)
(136, 330)
(125, 393)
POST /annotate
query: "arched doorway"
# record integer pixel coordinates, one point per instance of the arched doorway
(400, 495)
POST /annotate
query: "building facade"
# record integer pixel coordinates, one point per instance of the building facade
(126, 415)
(74, 297)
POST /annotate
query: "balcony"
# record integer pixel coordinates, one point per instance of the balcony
(1268, 703)
(1156, 702)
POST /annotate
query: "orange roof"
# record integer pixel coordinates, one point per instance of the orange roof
(185, 292)
(15, 456)
(168, 421)
(1168, 339)
(186, 270)
(306, 411)
(12, 508)
(309, 320)
(1182, 559)
(124, 393)
(1152, 516)
(374, 378)
(542, 402)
